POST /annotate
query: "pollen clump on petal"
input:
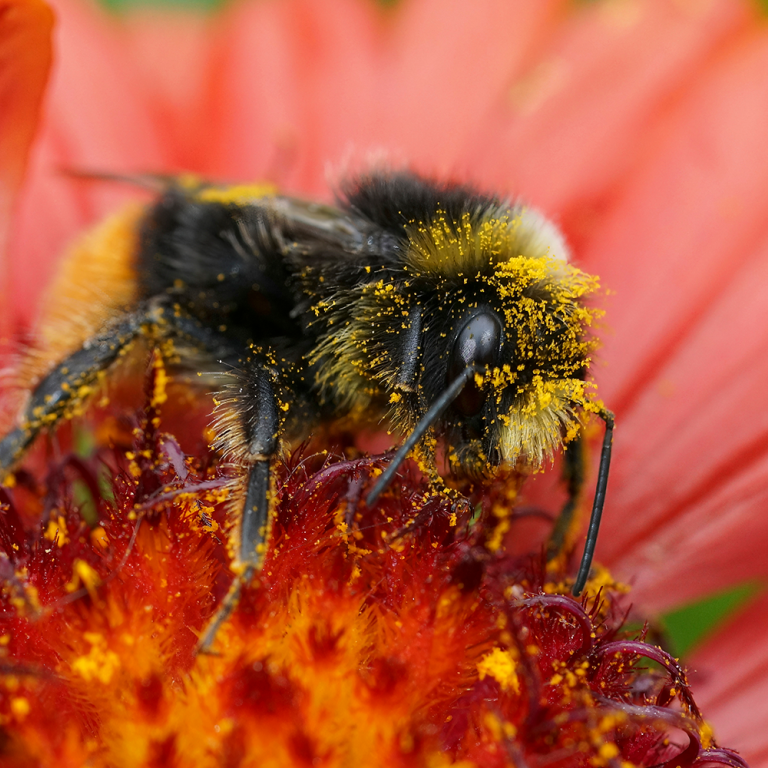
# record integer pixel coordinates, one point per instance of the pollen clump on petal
(501, 665)
(100, 664)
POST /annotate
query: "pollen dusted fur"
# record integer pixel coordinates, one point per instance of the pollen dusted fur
(452, 314)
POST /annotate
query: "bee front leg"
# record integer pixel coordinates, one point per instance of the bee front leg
(574, 470)
(249, 426)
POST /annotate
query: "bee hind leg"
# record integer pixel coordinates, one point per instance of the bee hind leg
(60, 393)
(63, 391)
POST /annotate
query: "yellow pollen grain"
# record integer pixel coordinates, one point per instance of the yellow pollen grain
(160, 394)
(100, 664)
(707, 735)
(20, 707)
(82, 574)
(502, 667)
(57, 531)
(99, 538)
(608, 751)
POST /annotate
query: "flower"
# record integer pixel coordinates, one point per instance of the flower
(378, 637)
(637, 125)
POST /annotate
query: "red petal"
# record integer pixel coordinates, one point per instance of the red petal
(448, 69)
(96, 120)
(731, 681)
(171, 51)
(25, 57)
(685, 252)
(285, 72)
(578, 118)
(293, 97)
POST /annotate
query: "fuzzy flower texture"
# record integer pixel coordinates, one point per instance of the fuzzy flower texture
(424, 631)
(389, 637)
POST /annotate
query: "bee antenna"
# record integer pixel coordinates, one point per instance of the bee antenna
(426, 421)
(154, 182)
(597, 504)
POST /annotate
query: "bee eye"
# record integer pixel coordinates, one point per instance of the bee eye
(478, 343)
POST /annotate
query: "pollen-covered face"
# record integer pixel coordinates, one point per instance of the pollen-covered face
(490, 290)
(509, 305)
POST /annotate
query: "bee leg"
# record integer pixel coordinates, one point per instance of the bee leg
(574, 468)
(573, 472)
(62, 392)
(597, 504)
(254, 529)
(254, 418)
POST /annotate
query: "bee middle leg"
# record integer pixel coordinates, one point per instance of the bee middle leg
(250, 426)
(573, 473)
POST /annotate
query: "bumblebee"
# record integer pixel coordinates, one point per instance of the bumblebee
(454, 315)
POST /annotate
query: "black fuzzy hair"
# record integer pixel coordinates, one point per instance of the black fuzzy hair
(393, 200)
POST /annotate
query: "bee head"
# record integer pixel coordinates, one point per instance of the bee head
(498, 296)
(470, 283)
